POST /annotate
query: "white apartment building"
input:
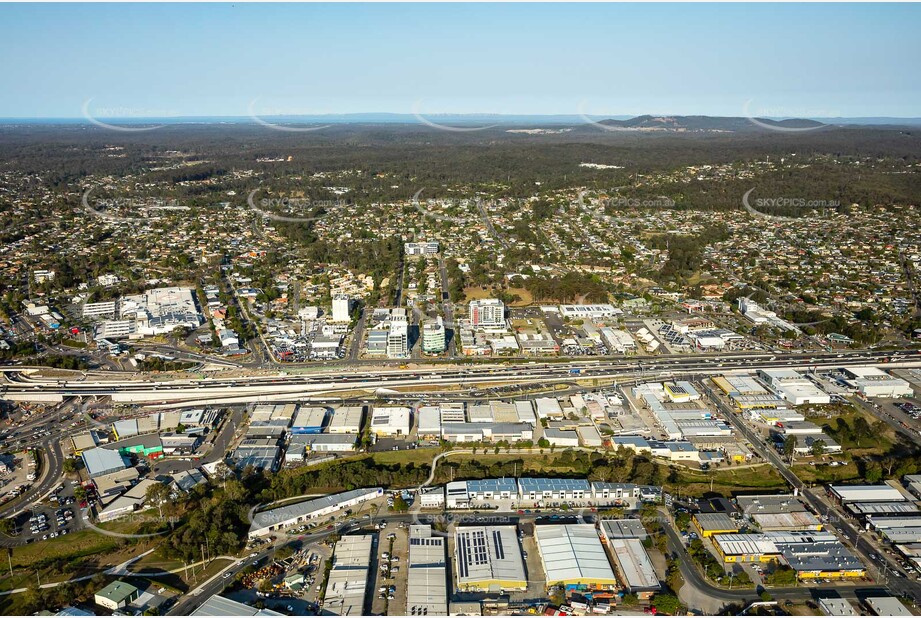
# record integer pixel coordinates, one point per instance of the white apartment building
(398, 340)
(487, 313)
(341, 308)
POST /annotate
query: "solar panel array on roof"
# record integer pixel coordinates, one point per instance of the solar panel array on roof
(489, 557)
(555, 485)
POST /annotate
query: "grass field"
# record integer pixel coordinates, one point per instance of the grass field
(417, 456)
(825, 473)
(727, 481)
(476, 292)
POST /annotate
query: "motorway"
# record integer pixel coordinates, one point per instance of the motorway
(19, 385)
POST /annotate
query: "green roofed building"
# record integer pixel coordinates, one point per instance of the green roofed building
(116, 595)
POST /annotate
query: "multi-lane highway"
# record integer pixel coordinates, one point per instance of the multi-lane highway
(19, 385)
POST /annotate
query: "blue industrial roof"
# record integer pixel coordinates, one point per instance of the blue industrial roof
(493, 485)
(544, 484)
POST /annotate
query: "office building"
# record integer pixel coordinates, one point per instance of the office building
(433, 336)
(398, 340)
(342, 308)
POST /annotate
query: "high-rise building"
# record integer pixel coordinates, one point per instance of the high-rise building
(341, 308)
(433, 337)
(398, 340)
(487, 312)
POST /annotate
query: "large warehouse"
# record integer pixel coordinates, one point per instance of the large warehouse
(865, 493)
(427, 587)
(391, 421)
(488, 559)
(348, 578)
(874, 382)
(308, 420)
(265, 522)
(634, 566)
(100, 461)
(346, 419)
(572, 556)
(793, 386)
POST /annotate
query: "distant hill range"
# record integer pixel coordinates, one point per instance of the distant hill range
(559, 123)
(725, 124)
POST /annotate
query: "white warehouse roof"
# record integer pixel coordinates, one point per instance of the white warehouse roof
(573, 553)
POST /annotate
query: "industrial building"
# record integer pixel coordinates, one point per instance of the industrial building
(886, 606)
(260, 453)
(100, 461)
(572, 556)
(218, 605)
(347, 582)
(428, 422)
(484, 432)
(319, 443)
(793, 387)
(488, 559)
(554, 489)
(346, 419)
(782, 512)
(459, 494)
(836, 606)
(427, 588)
(874, 382)
(83, 442)
(561, 437)
(548, 408)
(634, 566)
(116, 595)
(391, 421)
(308, 420)
(623, 529)
(865, 493)
(432, 497)
(265, 522)
(127, 503)
(813, 555)
(710, 524)
(489, 489)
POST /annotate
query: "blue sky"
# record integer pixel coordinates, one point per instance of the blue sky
(221, 59)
